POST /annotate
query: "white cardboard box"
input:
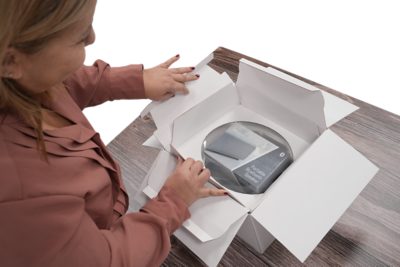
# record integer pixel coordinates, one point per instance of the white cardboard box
(302, 205)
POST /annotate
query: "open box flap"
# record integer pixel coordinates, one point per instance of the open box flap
(165, 112)
(208, 218)
(335, 108)
(210, 252)
(305, 202)
(162, 167)
(294, 107)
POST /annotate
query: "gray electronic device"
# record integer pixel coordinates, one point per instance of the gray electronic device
(246, 157)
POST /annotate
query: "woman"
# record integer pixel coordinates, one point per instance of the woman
(62, 202)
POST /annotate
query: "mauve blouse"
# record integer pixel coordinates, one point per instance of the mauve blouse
(71, 211)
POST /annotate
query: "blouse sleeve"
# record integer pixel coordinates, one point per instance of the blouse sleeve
(56, 231)
(93, 85)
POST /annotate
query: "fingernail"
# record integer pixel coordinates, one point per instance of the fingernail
(177, 55)
(192, 68)
(226, 193)
(197, 75)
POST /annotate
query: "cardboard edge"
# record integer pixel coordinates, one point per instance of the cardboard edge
(330, 117)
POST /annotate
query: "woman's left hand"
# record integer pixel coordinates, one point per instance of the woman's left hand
(162, 82)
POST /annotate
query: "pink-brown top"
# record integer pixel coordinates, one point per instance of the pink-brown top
(71, 211)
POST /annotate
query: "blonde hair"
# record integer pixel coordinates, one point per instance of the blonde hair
(28, 25)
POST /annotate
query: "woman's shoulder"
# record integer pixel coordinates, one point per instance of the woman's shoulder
(11, 188)
(15, 156)
(9, 117)
(9, 134)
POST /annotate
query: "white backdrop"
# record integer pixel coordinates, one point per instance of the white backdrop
(351, 46)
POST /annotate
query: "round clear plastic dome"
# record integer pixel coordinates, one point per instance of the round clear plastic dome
(246, 157)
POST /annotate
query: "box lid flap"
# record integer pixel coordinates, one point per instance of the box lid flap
(210, 252)
(293, 106)
(209, 217)
(335, 108)
(159, 171)
(311, 195)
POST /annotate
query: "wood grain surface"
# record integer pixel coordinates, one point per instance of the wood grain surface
(368, 234)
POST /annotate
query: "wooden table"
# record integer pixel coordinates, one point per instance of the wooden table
(368, 234)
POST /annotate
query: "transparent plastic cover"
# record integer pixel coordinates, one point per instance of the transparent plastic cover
(246, 157)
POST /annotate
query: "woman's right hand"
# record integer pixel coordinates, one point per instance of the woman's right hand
(188, 181)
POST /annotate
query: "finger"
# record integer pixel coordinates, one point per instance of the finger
(207, 192)
(197, 167)
(180, 161)
(192, 77)
(169, 62)
(180, 88)
(188, 163)
(204, 175)
(182, 70)
(179, 78)
(166, 96)
(218, 192)
(182, 78)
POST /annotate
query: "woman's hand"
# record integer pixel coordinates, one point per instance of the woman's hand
(188, 181)
(161, 82)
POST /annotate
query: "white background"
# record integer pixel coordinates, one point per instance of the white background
(350, 46)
